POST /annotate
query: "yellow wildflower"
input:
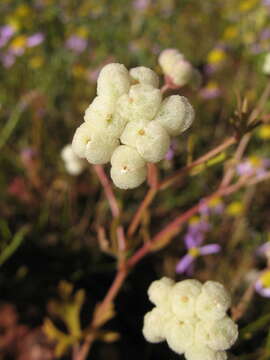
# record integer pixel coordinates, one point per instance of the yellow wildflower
(78, 71)
(216, 56)
(235, 208)
(82, 31)
(264, 132)
(230, 32)
(18, 42)
(246, 5)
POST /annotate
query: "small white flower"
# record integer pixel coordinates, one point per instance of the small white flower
(180, 334)
(266, 65)
(213, 301)
(95, 146)
(202, 352)
(158, 291)
(176, 67)
(113, 81)
(102, 116)
(218, 335)
(183, 298)
(144, 75)
(150, 139)
(141, 103)
(128, 168)
(73, 164)
(175, 115)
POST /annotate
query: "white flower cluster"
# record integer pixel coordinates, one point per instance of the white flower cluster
(73, 164)
(192, 318)
(129, 124)
(179, 70)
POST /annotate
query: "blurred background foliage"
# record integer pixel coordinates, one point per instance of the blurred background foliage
(50, 56)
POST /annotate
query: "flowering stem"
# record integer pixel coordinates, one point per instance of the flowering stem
(108, 190)
(171, 179)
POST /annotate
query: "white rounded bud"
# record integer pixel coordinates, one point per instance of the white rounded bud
(144, 75)
(101, 116)
(176, 67)
(158, 291)
(201, 352)
(150, 139)
(113, 80)
(179, 334)
(95, 146)
(213, 301)
(183, 298)
(128, 168)
(176, 114)
(218, 335)
(73, 164)
(167, 59)
(142, 102)
(153, 325)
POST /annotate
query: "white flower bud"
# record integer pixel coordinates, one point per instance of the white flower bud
(153, 326)
(183, 298)
(218, 335)
(95, 146)
(213, 301)
(158, 291)
(144, 75)
(73, 164)
(142, 102)
(128, 168)
(113, 80)
(266, 65)
(167, 59)
(101, 116)
(176, 114)
(179, 334)
(150, 139)
(202, 352)
(176, 67)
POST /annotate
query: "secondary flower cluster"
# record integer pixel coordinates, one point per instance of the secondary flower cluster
(129, 124)
(73, 164)
(191, 317)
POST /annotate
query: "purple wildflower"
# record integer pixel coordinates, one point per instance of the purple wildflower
(253, 166)
(141, 4)
(7, 60)
(171, 152)
(262, 284)
(76, 44)
(35, 40)
(6, 33)
(211, 91)
(266, 2)
(264, 249)
(194, 250)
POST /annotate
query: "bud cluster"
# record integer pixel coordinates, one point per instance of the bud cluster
(129, 124)
(191, 317)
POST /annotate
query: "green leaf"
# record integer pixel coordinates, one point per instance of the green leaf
(246, 332)
(13, 246)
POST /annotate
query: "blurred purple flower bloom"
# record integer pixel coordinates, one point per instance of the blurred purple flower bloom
(262, 285)
(35, 40)
(76, 44)
(266, 2)
(264, 249)
(141, 4)
(193, 252)
(6, 32)
(209, 92)
(171, 152)
(256, 166)
(7, 60)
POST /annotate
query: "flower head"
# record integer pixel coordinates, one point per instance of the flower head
(191, 317)
(128, 124)
(73, 164)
